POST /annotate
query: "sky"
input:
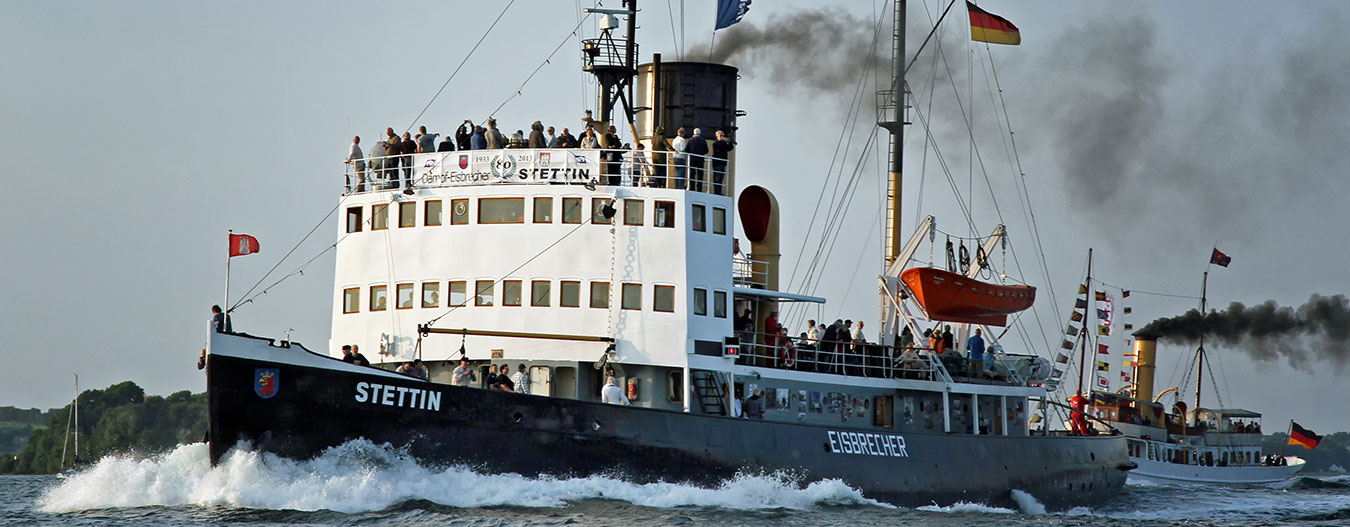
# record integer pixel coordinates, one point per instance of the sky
(137, 133)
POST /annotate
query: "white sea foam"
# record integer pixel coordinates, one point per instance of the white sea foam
(967, 507)
(1027, 502)
(359, 476)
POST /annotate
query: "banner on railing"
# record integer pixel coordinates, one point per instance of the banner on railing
(479, 167)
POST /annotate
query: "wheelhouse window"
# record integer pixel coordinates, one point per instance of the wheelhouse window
(404, 294)
(379, 297)
(407, 214)
(720, 304)
(458, 294)
(539, 293)
(597, 211)
(501, 210)
(632, 212)
(696, 217)
(353, 219)
(700, 301)
(543, 210)
(719, 220)
(569, 293)
(379, 216)
(351, 300)
(431, 294)
(663, 299)
(511, 290)
(571, 210)
(431, 215)
(664, 214)
(482, 293)
(631, 297)
(600, 295)
(459, 212)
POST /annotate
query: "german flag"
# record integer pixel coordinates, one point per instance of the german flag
(1303, 437)
(991, 28)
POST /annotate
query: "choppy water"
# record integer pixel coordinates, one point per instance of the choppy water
(362, 484)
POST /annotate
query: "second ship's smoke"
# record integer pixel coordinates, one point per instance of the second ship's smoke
(1319, 330)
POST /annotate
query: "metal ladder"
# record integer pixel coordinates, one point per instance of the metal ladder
(710, 393)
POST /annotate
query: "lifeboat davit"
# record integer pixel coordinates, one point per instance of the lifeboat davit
(952, 297)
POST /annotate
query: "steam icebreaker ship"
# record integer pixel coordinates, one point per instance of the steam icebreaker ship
(578, 270)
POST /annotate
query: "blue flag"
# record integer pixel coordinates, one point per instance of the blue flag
(730, 12)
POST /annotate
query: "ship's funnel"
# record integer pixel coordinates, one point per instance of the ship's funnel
(1146, 355)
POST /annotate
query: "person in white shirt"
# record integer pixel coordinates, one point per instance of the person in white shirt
(857, 333)
(681, 158)
(612, 394)
(463, 375)
(358, 163)
(812, 334)
(521, 380)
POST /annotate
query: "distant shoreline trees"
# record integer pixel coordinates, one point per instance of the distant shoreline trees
(118, 419)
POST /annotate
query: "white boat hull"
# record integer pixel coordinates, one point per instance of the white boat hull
(1159, 472)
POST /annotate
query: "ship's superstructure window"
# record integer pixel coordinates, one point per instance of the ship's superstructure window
(353, 219)
(379, 216)
(539, 293)
(404, 294)
(407, 214)
(632, 297)
(700, 301)
(696, 218)
(351, 300)
(664, 215)
(569, 293)
(511, 290)
(459, 212)
(663, 299)
(543, 210)
(600, 295)
(459, 294)
(482, 293)
(431, 294)
(379, 297)
(719, 220)
(431, 216)
(571, 212)
(501, 210)
(597, 211)
(632, 212)
(720, 304)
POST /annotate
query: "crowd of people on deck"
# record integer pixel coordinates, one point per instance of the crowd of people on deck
(842, 347)
(498, 378)
(671, 161)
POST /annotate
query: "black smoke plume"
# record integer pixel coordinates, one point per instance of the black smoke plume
(818, 50)
(1319, 330)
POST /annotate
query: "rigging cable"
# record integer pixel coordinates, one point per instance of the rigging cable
(461, 65)
(288, 255)
(451, 309)
(517, 91)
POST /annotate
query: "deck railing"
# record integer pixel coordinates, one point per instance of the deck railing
(566, 166)
(861, 359)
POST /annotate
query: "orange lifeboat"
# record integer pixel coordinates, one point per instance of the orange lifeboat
(952, 297)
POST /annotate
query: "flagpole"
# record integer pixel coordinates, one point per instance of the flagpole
(1287, 436)
(226, 307)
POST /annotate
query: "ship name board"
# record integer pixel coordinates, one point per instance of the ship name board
(398, 396)
(865, 444)
(487, 167)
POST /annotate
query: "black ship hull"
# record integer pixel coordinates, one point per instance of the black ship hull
(309, 403)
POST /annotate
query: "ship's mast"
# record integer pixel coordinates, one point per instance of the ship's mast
(891, 116)
(613, 62)
(1082, 354)
(1200, 354)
